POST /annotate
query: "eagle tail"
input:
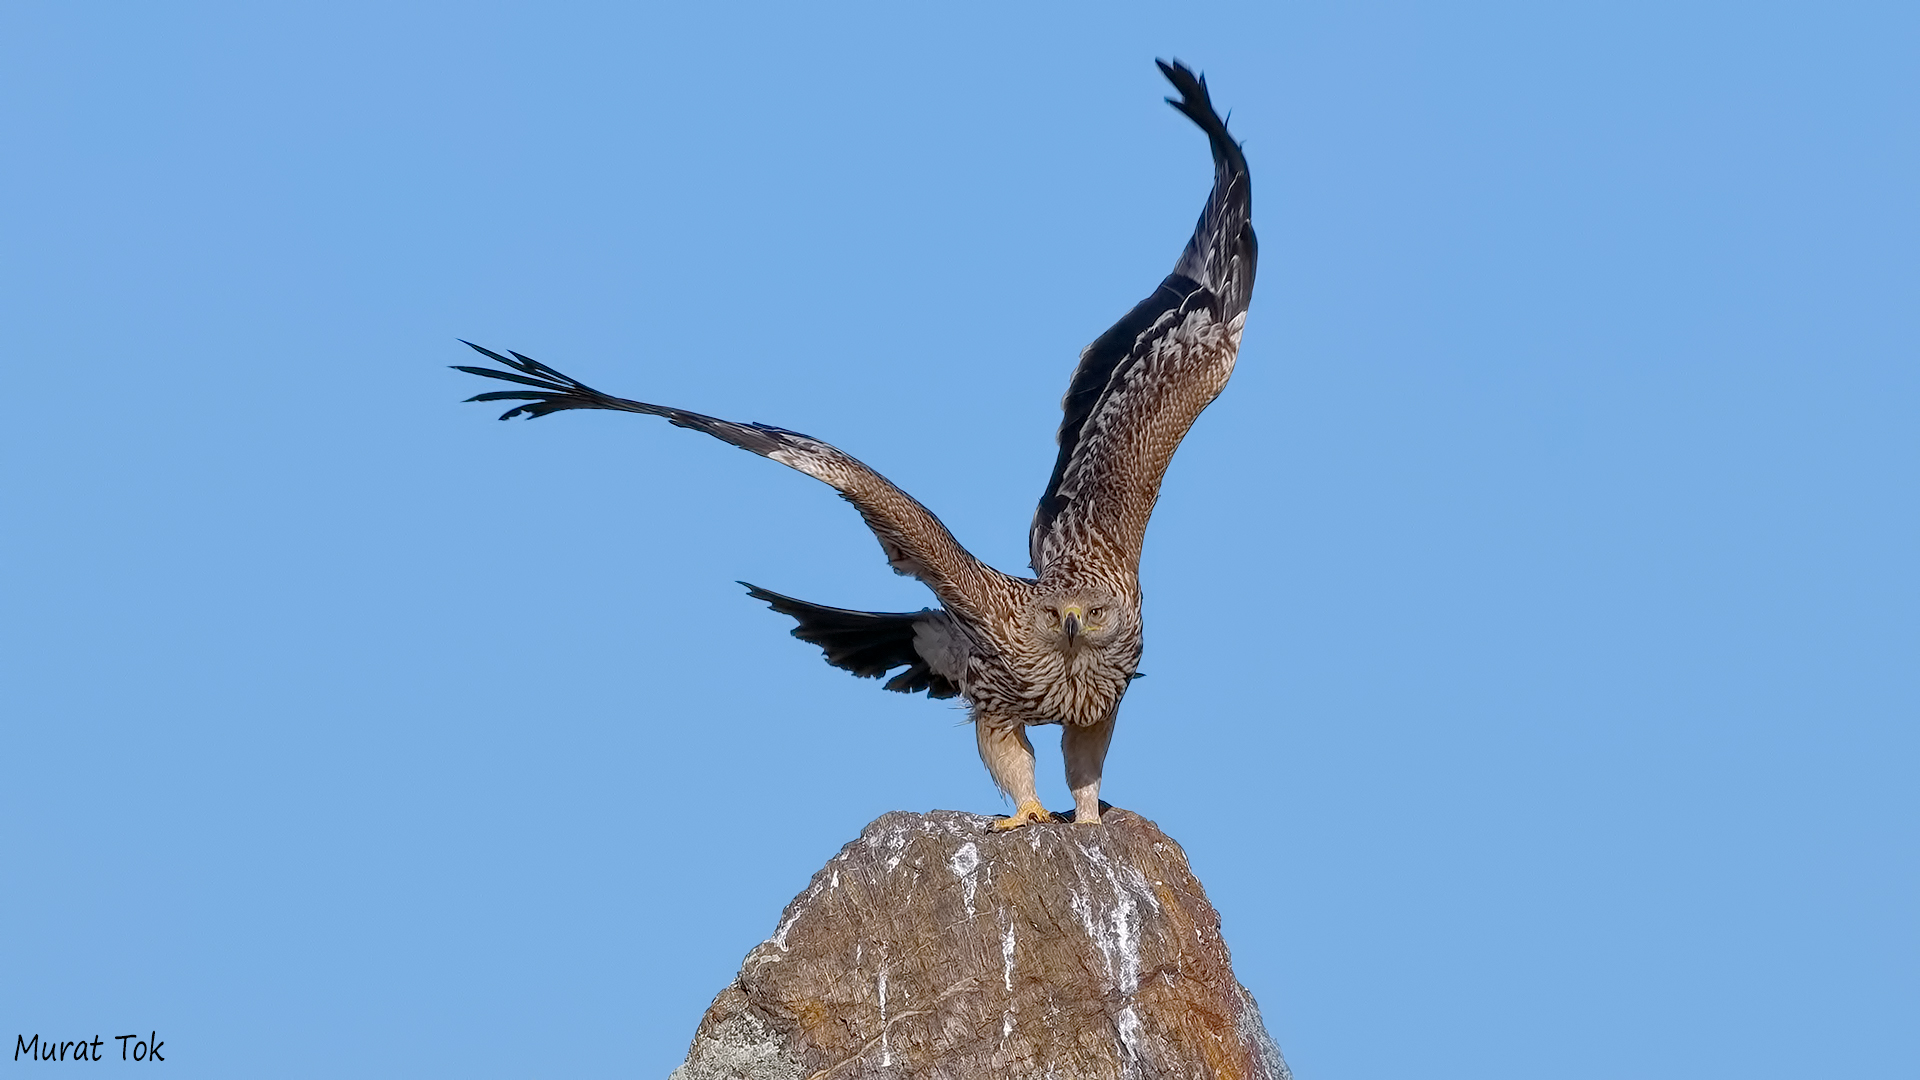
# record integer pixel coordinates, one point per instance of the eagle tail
(867, 643)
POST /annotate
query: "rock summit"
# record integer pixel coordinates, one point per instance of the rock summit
(935, 947)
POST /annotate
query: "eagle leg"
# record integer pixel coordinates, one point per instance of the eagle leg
(1009, 760)
(1085, 751)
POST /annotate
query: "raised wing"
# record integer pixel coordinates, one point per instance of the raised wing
(915, 542)
(1141, 385)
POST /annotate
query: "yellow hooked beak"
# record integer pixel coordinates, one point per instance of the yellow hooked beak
(1071, 620)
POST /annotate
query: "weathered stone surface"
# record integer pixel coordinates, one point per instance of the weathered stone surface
(934, 947)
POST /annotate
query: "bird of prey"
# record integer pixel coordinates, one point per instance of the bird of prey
(1059, 647)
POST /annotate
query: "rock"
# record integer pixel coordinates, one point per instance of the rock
(935, 947)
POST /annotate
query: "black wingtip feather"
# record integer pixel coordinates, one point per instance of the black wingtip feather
(508, 376)
(1194, 101)
(555, 391)
(486, 352)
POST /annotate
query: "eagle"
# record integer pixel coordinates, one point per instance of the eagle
(1059, 647)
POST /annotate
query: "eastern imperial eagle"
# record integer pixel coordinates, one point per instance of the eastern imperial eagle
(1060, 647)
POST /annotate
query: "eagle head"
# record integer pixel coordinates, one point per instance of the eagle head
(1081, 621)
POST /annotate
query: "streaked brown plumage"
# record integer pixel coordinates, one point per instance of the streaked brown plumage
(1059, 647)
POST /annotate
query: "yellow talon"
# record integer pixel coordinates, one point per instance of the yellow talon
(1025, 814)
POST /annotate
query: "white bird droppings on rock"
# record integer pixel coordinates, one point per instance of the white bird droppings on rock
(886, 1054)
(1127, 1024)
(1006, 958)
(964, 863)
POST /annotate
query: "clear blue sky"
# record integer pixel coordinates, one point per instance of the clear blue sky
(1532, 626)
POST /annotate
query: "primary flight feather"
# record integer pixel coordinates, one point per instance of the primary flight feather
(1059, 647)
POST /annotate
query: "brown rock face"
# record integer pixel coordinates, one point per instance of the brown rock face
(934, 947)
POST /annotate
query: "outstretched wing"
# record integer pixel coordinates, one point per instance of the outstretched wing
(915, 541)
(1141, 385)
